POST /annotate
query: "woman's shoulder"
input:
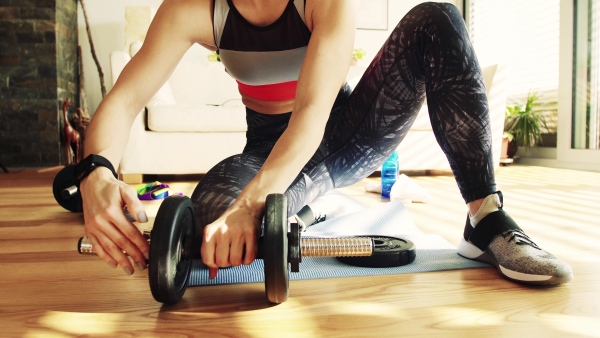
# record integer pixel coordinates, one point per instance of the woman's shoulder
(189, 8)
(195, 16)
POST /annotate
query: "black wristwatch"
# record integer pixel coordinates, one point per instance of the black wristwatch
(89, 164)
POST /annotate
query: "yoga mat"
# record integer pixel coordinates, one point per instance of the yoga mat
(434, 253)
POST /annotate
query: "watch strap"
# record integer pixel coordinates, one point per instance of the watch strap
(91, 163)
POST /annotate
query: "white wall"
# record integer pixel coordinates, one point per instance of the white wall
(107, 21)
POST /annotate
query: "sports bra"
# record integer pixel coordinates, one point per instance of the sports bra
(265, 61)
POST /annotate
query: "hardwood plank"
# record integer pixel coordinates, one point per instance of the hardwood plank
(47, 289)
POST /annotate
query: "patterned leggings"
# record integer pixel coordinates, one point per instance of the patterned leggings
(427, 55)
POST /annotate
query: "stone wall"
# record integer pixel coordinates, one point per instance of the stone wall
(38, 71)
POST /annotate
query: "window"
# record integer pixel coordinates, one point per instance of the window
(525, 36)
(586, 75)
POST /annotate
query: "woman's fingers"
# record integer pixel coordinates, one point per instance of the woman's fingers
(117, 238)
(229, 241)
(207, 252)
(106, 249)
(99, 251)
(126, 236)
(136, 210)
(251, 249)
(236, 252)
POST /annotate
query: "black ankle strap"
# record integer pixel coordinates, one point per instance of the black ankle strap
(489, 227)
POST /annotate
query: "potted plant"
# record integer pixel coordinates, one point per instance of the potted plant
(357, 55)
(523, 125)
(213, 57)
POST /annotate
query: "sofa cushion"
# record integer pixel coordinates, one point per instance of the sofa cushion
(198, 97)
(196, 81)
(230, 117)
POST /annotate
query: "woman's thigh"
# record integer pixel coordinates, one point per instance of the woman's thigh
(221, 186)
(428, 53)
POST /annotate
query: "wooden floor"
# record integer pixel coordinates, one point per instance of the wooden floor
(47, 289)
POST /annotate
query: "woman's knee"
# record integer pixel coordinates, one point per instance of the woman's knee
(222, 184)
(435, 14)
(435, 9)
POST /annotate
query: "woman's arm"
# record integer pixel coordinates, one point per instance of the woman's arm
(177, 25)
(323, 72)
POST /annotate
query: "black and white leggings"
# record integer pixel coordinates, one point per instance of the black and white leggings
(427, 55)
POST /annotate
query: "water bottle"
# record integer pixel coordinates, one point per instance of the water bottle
(389, 174)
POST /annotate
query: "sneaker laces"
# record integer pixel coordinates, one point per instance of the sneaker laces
(320, 217)
(520, 238)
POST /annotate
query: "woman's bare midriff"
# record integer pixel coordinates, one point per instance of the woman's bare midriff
(268, 107)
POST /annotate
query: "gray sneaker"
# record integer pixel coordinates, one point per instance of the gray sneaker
(499, 241)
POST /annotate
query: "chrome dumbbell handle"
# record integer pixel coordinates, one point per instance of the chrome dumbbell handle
(85, 247)
(310, 246)
(69, 192)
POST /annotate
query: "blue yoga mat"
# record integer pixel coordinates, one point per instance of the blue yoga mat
(434, 253)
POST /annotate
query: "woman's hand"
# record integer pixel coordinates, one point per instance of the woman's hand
(231, 240)
(112, 235)
(176, 27)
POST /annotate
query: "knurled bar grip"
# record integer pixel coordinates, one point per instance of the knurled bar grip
(336, 247)
(310, 247)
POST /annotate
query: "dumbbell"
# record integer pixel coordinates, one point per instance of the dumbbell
(65, 186)
(66, 191)
(175, 242)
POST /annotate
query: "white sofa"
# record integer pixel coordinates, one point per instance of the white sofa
(193, 122)
(197, 119)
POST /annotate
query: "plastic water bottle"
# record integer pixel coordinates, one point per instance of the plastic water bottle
(389, 174)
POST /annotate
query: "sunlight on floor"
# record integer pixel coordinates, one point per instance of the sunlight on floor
(82, 323)
(36, 333)
(585, 326)
(371, 308)
(460, 317)
(451, 317)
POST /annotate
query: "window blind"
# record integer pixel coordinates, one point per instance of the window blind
(524, 35)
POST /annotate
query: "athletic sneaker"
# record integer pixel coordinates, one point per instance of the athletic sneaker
(496, 239)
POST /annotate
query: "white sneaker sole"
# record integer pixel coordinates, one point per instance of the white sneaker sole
(470, 251)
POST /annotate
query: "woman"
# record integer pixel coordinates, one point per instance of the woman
(308, 132)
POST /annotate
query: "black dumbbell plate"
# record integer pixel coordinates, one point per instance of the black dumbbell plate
(388, 252)
(64, 179)
(275, 254)
(168, 271)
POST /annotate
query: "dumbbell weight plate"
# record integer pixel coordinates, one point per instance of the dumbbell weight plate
(275, 249)
(168, 271)
(64, 179)
(388, 252)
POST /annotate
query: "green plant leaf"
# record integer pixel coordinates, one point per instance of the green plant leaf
(358, 53)
(524, 122)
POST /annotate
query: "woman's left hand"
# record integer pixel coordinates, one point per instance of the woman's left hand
(232, 239)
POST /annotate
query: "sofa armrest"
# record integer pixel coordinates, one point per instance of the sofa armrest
(118, 60)
(135, 145)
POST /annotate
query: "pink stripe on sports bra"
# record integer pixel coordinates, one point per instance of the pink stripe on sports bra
(271, 92)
